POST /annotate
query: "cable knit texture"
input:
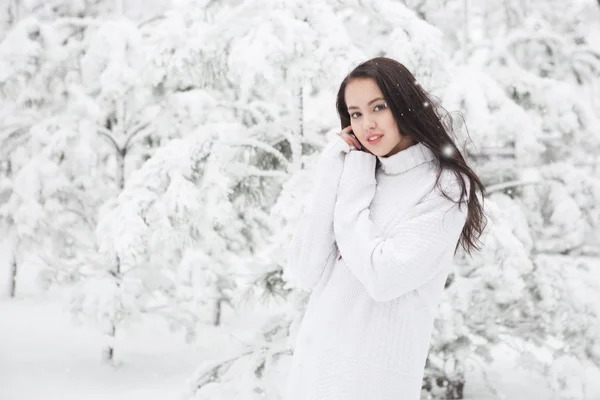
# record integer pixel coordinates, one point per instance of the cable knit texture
(375, 247)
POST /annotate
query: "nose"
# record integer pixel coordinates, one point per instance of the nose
(368, 123)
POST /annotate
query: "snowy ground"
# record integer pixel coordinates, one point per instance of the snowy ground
(44, 356)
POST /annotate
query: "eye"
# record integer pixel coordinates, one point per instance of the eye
(354, 115)
(381, 107)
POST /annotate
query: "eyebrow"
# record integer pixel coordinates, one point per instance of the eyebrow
(369, 103)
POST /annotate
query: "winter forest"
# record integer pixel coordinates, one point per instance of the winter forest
(154, 156)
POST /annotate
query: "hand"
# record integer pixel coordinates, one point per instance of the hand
(348, 138)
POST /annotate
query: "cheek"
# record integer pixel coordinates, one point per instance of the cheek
(392, 126)
(355, 128)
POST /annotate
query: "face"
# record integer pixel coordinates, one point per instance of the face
(371, 118)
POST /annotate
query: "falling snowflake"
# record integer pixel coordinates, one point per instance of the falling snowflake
(448, 150)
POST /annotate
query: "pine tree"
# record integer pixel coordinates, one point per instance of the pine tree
(524, 93)
(33, 142)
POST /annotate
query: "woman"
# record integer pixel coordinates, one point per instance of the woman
(393, 201)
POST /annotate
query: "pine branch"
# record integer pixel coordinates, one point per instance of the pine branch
(262, 146)
(108, 134)
(510, 184)
(150, 20)
(80, 22)
(134, 131)
(248, 170)
(216, 370)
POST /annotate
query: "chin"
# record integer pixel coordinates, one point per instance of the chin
(381, 151)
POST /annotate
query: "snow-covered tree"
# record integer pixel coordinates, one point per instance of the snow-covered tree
(176, 232)
(34, 139)
(531, 125)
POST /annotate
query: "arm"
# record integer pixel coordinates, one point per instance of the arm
(313, 242)
(391, 266)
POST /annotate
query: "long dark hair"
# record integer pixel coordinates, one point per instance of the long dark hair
(417, 117)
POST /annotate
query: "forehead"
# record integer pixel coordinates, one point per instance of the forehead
(361, 90)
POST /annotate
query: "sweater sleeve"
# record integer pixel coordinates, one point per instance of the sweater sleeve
(393, 265)
(313, 241)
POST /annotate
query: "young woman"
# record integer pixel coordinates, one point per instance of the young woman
(393, 201)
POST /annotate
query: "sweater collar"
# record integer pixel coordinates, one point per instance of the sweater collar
(406, 159)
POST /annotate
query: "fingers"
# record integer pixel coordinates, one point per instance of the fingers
(350, 139)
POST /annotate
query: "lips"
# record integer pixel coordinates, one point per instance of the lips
(374, 138)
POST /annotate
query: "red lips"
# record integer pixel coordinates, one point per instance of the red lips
(370, 135)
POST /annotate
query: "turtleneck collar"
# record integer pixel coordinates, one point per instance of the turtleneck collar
(406, 159)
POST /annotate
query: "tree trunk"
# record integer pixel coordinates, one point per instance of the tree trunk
(301, 117)
(121, 153)
(11, 247)
(14, 10)
(301, 109)
(466, 23)
(109, 352)
(217, 312)
(116, 272)
(13, 276)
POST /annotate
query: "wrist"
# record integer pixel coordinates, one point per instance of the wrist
(336, 146)
(360, 164)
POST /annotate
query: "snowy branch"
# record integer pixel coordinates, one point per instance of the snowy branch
(85, 218)
(247, 170)
(263, 146)
(206, 375)
(108, 134)
(521, 36)
(80, 22)
(150, 20)
(505, 185)
(134, 131)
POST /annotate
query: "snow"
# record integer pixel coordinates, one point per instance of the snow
(46, 356)
(105, 107)
(509, 378)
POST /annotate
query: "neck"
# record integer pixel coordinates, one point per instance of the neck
(404, 143)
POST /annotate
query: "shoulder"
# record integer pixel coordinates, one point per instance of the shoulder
(449, 186)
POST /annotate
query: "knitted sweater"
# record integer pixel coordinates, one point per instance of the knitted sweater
(375, 247)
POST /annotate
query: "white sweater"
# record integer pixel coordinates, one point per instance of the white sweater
(375, 248)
